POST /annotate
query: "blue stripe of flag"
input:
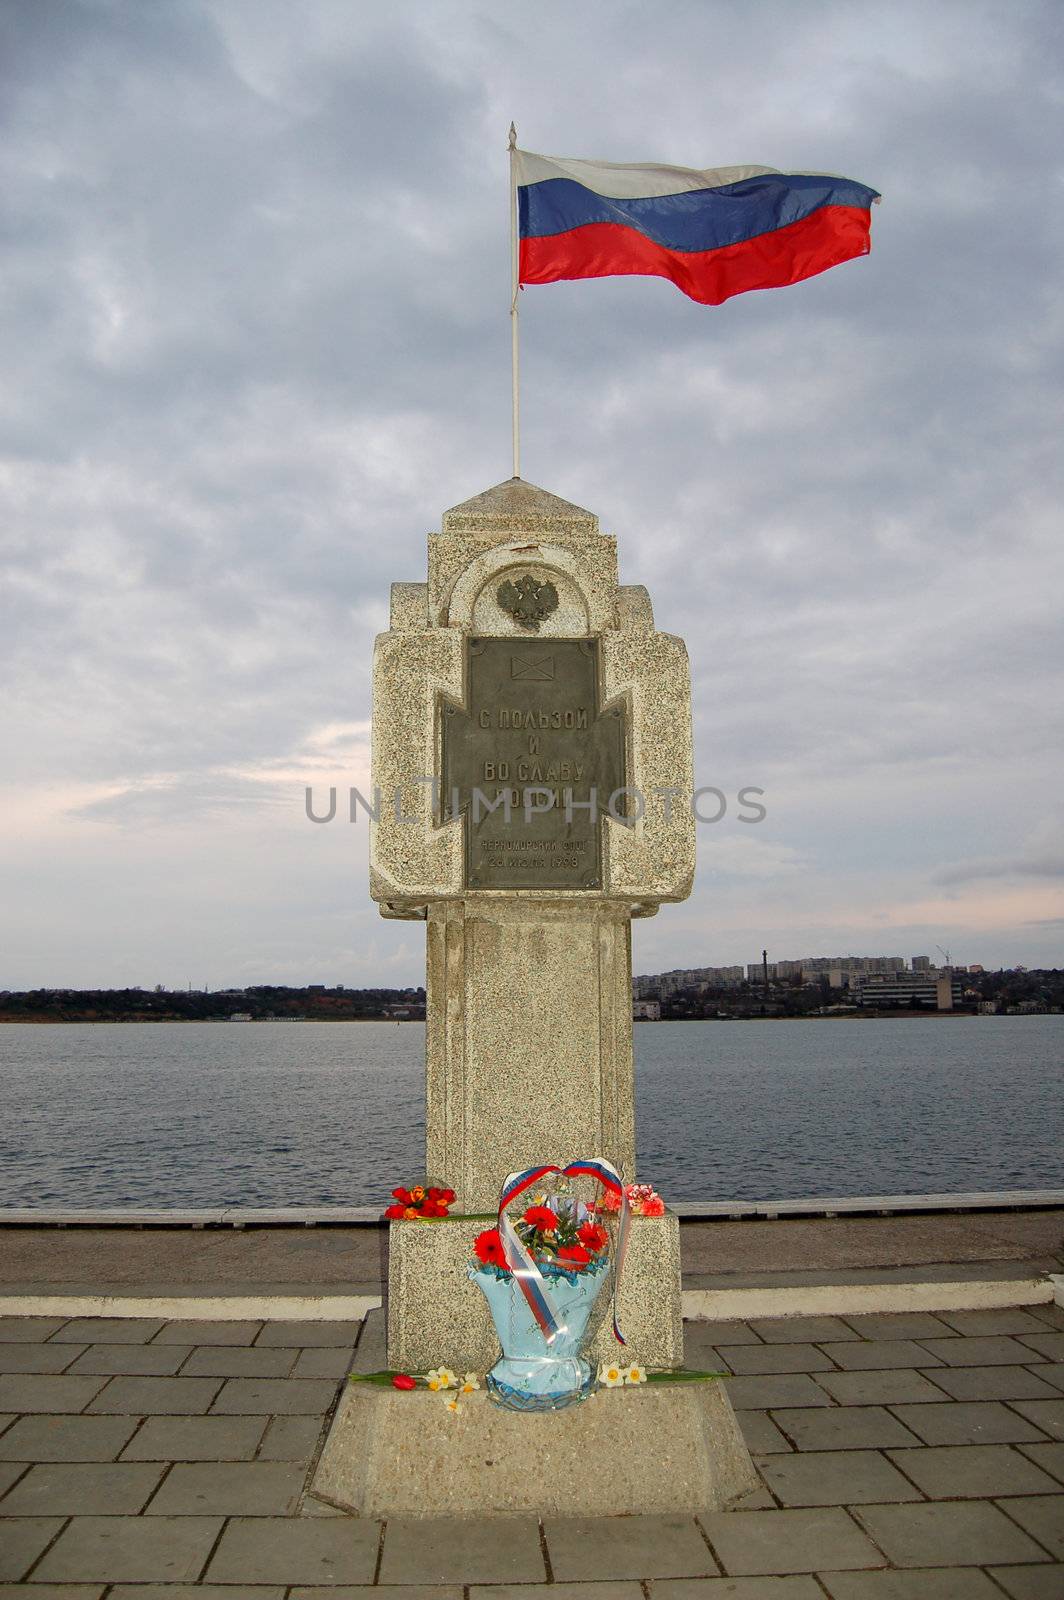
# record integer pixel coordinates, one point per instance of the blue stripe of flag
(701, 219)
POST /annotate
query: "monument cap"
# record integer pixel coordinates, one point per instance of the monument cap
(515, 506)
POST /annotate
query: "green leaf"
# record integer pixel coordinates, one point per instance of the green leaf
(383, 1378)
(685, 1375)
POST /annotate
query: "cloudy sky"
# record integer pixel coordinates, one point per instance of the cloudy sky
(254, 292)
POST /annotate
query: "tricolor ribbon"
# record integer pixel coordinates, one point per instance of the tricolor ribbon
(520, 1261)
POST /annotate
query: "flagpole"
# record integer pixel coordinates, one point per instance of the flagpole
(514, 290)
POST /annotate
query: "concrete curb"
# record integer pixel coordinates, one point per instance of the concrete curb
(238, 1217)
(722, 1304)
(208, 1308)
(851, 1299)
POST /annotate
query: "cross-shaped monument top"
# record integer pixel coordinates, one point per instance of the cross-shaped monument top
(523, 664)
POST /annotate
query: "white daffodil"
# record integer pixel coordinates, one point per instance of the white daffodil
(441, 1378)
(611, 1376)
(469, 1383)
(635, 1374)
(451, 1402)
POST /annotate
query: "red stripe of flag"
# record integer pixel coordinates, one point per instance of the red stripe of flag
(769, 261)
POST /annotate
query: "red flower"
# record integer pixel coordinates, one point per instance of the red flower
(403, 1380)
(421, 1201)
(488, 1247)
(654, 1207)
(541, 1218)
(574, 1256)
(594, 1236)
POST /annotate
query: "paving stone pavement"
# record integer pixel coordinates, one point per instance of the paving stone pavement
(913, 1457)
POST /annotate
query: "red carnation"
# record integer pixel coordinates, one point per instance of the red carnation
(433, 1208)
(395, 1212)
(574, 1255)
(654, 1207)
(403, 1196)
(447, 1196)
(594, 1236)
(488, 1247)
(541, 1218)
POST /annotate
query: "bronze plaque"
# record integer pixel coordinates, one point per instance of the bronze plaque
(533, 762)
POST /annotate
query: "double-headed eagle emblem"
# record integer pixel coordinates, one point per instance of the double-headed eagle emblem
(528, 601)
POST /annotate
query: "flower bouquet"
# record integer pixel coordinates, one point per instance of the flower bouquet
(643, 1200)
(541, 1276)
(419, 1202)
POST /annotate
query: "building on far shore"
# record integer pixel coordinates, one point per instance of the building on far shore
(934, 990)
(837, 969)
(832, 985)
(646, 1010)
(663, 984)
(851, 966)
(758, 971)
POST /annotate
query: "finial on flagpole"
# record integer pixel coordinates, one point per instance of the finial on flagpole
(514, 289)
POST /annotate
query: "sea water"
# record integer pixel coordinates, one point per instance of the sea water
(286, 1113)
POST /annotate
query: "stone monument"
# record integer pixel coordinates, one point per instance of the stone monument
(532, 782)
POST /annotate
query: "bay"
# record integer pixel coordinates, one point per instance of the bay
(278, 1114)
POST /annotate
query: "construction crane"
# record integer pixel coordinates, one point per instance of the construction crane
(946, 955)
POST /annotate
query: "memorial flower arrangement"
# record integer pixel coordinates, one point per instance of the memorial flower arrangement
(541, 1271)
(559, 1232)
(613, 1376)
(441, 1381)
(419, 1202)
(452, 1389)
(643, 1201)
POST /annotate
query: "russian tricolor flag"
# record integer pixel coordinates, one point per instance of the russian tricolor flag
(714, 233)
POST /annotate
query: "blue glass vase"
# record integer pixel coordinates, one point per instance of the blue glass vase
(532, 1375)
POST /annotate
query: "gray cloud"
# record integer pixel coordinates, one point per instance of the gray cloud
(182, 800)
(1041, 857)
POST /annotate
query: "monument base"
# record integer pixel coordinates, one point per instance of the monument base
(653, 1449)
(437, 1317)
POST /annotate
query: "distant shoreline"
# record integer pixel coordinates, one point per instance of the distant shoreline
(903, 1013)
(66, 1022)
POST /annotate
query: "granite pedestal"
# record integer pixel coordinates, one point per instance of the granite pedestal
(669, 1447)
